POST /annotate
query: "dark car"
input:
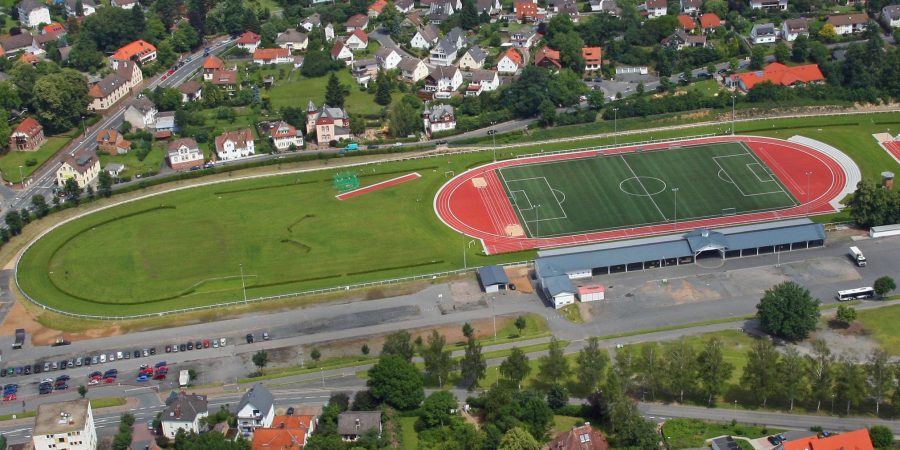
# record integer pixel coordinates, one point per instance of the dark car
(198, 345)
(2, 373)
(371, 146)
(62, 387)
(37, 368)
(290, 411)
(160, 364)
(249, 338)
(190, 345)
(45, 389)
(152, 350)
(63, 378)
(27, 370)
(87, 360)
(182, 348)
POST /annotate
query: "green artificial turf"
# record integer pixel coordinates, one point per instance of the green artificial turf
(626, 190)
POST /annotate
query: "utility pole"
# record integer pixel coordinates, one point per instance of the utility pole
(494, 314)
(243, 285)
(493, 134)
(732, 114)
(808, 173)
(537, 220)
(615, 126)
(675, 191)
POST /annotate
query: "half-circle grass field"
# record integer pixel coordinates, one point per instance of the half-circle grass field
(289, 233)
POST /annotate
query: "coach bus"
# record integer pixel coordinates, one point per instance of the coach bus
(855, 294)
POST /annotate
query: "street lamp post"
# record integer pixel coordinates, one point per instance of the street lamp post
(493, 134)
(732, 114)
(615, 126)
(675, 191)
(243, 285)
(537, 220)
(494, 316)
(83, 129)
(808, 173)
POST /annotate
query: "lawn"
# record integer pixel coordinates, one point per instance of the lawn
(300, 90)
(705, 87)
(10, 162)
(561, 424)
(693, 433)
(409, 438)
(151, 163)
(289, 233)
(596, 193)
(882, 324)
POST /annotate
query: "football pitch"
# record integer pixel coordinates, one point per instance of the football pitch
(606, 192)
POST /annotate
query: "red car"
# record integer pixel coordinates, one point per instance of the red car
(9, 398)
(159, 376)
(146, 371)
(109, 380)
(206, 343)
(170, 72)
(165, 75)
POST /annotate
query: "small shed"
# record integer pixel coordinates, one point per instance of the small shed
(115, 169)
(559, 291)
(492, 278)
(591, 293)
(724, 443)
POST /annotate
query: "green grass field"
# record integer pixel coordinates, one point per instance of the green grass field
(605, 192)
(882, 324)
(10, 162)
(300, 90)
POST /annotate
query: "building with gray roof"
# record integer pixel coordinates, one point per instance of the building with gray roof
(353, 424)
(492, 278)
(255, 410)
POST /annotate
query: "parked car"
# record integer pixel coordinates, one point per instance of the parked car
(9, 398)
(146, 352)
(95, 360)
(168, 349)
(182, 348)
(222, 342)
(206, 343)
(160, 364)
(142, 378)
(215, 343)
(265, 335)
(249, 338)
(152, 351)
(290, 411)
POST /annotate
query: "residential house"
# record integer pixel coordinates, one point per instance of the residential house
(443, 80)
(33, 13)
(210, 66)
(776, 5)
(438, 118)
(376, 8)
(851, 440)
(88, 7)
(654, 8)
(548, 58)
(353, 424)
(83, 167)
(114, 169)
(106, 92)
(23, 43)
(582, 437)
(709, 22)
(680, 40)
(473, 90)
(489, 7)
(791, 29)
(763, 33)
(226, 79)
(425, 37)
(329, 32)
(285, 136)
(111, 142)
(488, 79)
(311, 22)
(266, 56)
(440, 10)
(233, 145)
(387, 58)
(593, 58)
(444, 53)
(165, 125)
(356, 22)
(510, 62)
(608, 6)
(412, 69)
(248, 41)
(890, 16)
(183, 412)
(527, 11)
(124, 4)
(292, 40)
(686, 22)
(141, 113)
(404, 6)
(139, 51)
(286, 433)
(524, 38)
(53, 28)
(190, 91)
(358, 40)
(184, 154)
(848, 23)
(568, 8)
(777, 73)
(340, 51)
(692, 7)
(64, 425)
(28, 136)
(473, 58)
(363, 70)
(257, 407)
(329, 124)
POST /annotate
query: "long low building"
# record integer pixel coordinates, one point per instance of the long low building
(555, 269)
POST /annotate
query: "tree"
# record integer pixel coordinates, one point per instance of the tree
(520, 324)
(547, 113)
(828, 33)
(397, 382)
(590, 365)
(649, 369)
(82, 390)
(383, 89)
(791, 375)
(315, 354)
(757, 57)
(631, 429)
(467, 330)
(850, 382)
(437, 360)
(84, 55)
(759, 374)
(871, 206)
(557, 396)
(365, 349)
(879, 377)
(518, 439)
(468, 15)
(820, 371)
(515, 367)
(845, 314)
(404, 118)
(680, 365)
(260, 359)
(436, 408)
(881, 436)
(39, 205)
(800, 48)
(883, 285)
(363, 401)
(553, 367)
(787, 310)
(713, 369)
(399, 344)
(335, 92)
(104, 184)
(472, 366)
(59, 99)
(13, 222)
(782, 52)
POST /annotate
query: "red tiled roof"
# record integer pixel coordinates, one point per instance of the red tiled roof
(224, 77)
(213, 63)
(239, 137)
(357, 21)
(710, 20)
(336, 48)
(686, 22)
(549, 54)
(579, 438)
(270, 53)
(287, 432)
(378, 6)
(288, 131)
(514, 55)
(137, 48)
(248, 37)
(853, 440)
(847, 19)
(29, 127)
(53, 28)
(778, 73)
(525, 9)
(29, 58)
(591, 289)
(592, 55)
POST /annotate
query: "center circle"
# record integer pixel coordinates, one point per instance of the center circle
(642, 186)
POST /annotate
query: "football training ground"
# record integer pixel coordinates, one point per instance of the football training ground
(604, 192)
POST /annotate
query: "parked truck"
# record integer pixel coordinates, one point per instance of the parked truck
(857, 256)
(20, 338)
(184, 377)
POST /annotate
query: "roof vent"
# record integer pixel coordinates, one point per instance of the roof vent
(704, 233)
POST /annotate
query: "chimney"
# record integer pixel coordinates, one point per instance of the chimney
(281, 425)
(357, 424)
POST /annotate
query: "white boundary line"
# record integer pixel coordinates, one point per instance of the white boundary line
(754, 172)
(644, 187)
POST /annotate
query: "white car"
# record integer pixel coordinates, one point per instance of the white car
(215, 343)
(102, 358)
(47, 380)
(222, 342)
(119, 355)
(111, 357)
(93, 382)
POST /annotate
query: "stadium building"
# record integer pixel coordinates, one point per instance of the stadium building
(555, 269)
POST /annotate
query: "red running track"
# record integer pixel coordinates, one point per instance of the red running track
(893, 147)
(486, 213)
(377, 186)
